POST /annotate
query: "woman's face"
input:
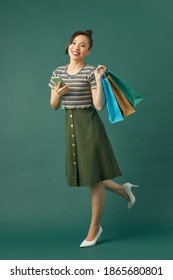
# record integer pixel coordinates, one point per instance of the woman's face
(79, 48)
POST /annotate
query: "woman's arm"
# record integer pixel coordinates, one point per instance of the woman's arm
(98, 93)
(56, 93)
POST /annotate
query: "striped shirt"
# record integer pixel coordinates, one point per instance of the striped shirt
(80, 86)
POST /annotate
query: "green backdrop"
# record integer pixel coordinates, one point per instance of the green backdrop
(40, 216)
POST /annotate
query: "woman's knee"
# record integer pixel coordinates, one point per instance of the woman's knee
(98, 185)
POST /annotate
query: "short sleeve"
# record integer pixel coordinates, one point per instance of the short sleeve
(92, 80)
(55, 73)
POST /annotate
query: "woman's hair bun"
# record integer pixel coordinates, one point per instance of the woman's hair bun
(89, 32)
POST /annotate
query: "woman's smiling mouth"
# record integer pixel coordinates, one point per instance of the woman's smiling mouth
(75, 53)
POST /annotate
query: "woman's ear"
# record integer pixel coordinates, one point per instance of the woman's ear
(89, 52)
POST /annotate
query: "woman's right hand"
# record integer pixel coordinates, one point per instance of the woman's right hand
(56, 93)
(61, 90)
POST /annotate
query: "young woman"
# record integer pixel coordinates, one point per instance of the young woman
(90, 160)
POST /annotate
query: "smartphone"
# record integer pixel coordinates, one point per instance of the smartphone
(56, 80)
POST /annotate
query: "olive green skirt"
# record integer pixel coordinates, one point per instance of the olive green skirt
(89, 155)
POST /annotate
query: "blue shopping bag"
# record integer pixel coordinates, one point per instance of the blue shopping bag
(114, 111)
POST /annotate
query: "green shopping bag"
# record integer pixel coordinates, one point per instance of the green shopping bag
(132, 96)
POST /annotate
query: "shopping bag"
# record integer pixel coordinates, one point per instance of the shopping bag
(114, 111)
(123, 103)
(133, 97)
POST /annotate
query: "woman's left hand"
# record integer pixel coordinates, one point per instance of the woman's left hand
(99, 72)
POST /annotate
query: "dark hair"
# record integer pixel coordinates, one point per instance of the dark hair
(87, 33)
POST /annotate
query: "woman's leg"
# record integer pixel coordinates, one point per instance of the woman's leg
(116, 188)
(97, 207)
(98, 202)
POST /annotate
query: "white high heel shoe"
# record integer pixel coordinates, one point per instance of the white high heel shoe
(127, 187)
(86, 243)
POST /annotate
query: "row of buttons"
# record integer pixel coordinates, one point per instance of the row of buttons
(73, 143)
